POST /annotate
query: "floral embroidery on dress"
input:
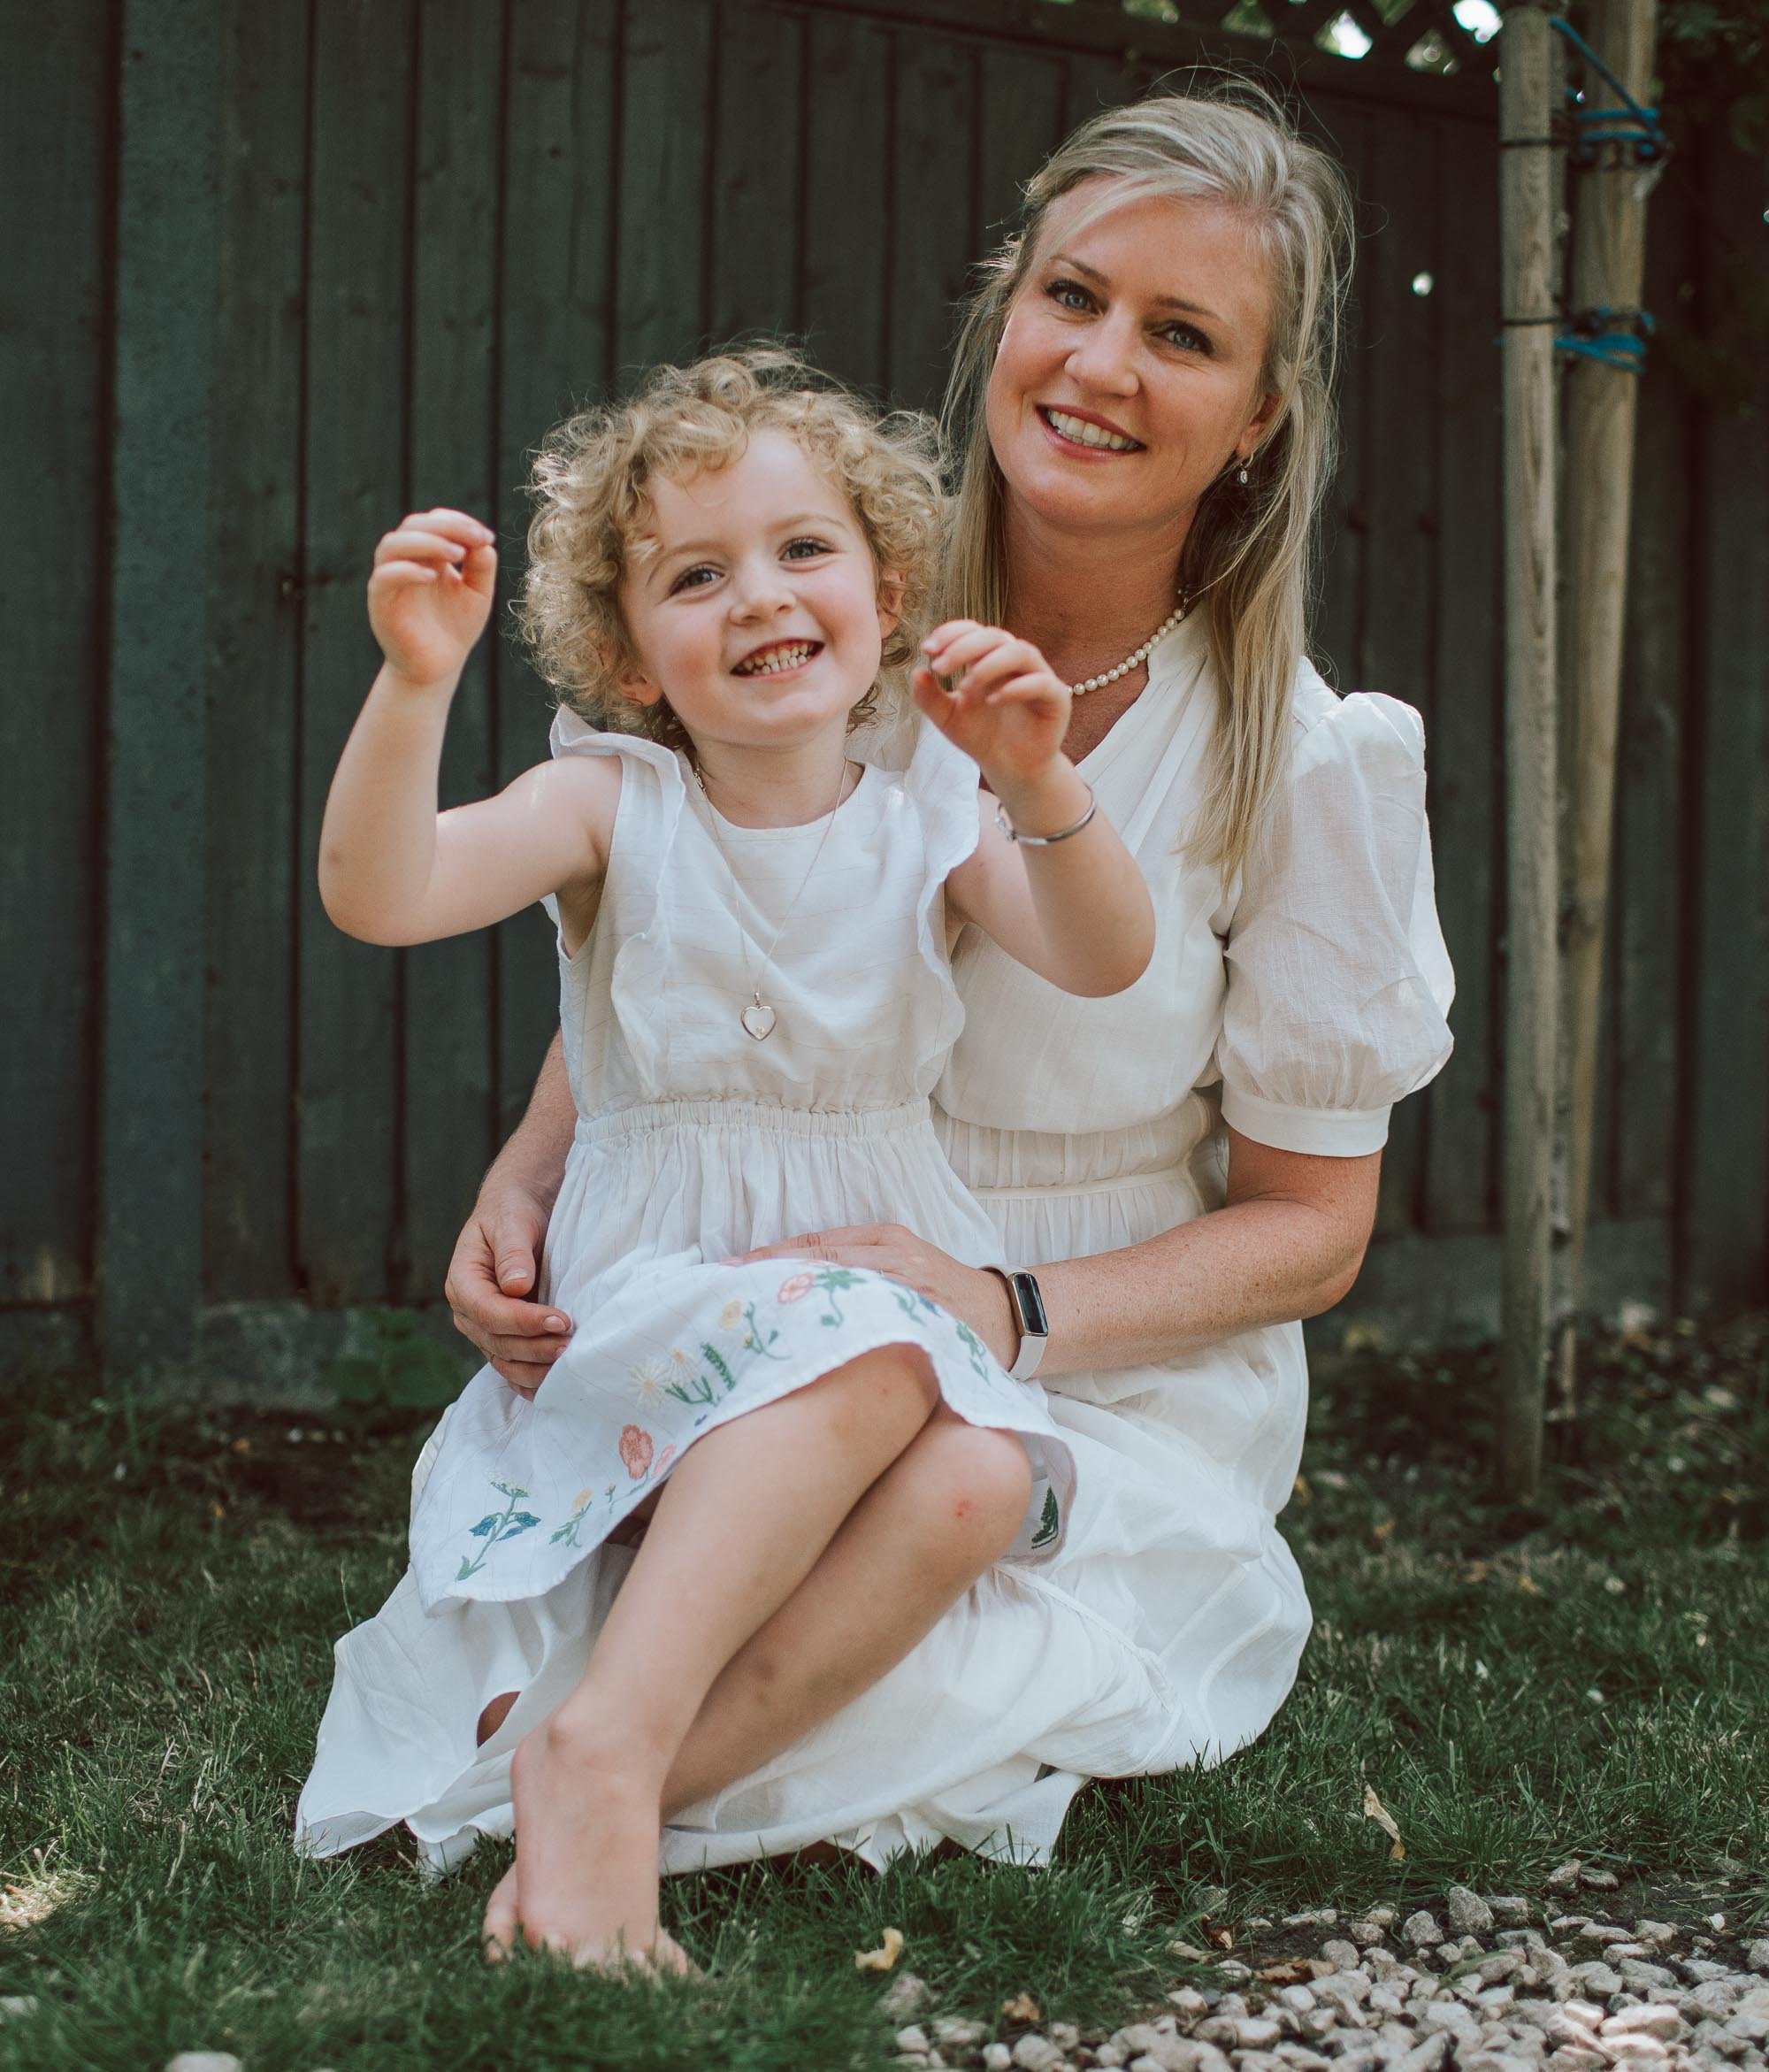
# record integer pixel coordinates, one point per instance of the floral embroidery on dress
(495, 1527)
(1048, 1521)
(795, 1288)
(831, 1279)
(635, 1451)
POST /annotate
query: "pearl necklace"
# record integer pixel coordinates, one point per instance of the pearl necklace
(1142, 653)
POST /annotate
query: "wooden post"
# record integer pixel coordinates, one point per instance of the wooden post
(1608, 258)
(1527, 164)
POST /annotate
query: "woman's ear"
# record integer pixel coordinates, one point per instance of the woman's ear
(891, 588)
(1260, 425)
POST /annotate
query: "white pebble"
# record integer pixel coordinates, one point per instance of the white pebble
(957, 2032)
(1469, 1912)
(205, 2060)
(996, 2057)
(1420, 1930)
(914, 2038)
(1036, 2053)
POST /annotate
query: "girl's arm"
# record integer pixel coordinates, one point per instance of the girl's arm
(394, 870)
(1076, 912)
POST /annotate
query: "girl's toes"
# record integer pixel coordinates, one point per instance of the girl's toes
(668, 1955)
(497, 1936)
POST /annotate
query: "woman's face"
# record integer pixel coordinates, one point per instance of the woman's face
(1129, 374)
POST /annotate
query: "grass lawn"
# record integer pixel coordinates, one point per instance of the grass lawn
(1591, 1680)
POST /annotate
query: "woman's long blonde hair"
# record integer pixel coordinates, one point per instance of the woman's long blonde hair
(1248, 558)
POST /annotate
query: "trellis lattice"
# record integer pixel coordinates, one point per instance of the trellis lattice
(1429, 37)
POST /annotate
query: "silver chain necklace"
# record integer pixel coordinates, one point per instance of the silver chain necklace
(759, 1016)
(1142, 653)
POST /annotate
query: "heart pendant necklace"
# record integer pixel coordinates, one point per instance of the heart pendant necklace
(759, 1019)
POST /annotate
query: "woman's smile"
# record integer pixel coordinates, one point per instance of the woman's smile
(1084, 433)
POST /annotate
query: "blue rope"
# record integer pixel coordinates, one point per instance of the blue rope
(1628, 124)
(1597, 335)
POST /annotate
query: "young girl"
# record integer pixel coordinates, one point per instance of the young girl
(757, 1000)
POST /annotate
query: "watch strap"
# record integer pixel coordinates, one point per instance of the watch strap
(1029, 1312)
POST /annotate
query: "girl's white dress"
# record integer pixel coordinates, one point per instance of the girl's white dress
(694, 1141)
(1296, 1001)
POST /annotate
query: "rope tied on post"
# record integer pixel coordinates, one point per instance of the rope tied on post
(1628, 124)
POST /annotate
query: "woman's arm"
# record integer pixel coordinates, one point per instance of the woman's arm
(497, 1256)
(1286, 1244)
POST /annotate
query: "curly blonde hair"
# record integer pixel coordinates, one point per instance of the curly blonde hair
(591, 482)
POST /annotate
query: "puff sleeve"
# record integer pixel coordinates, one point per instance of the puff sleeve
(1338, 981)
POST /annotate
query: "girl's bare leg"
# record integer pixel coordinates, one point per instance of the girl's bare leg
(945, 1509)
(937, 1518)
(740, 1523)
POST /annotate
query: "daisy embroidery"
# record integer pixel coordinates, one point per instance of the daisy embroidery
(648, 1377)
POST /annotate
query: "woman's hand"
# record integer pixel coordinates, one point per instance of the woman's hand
(490, 1275)
(430, 593)
(1008, 709)
(972, 1294)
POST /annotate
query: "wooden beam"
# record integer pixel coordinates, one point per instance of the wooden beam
(151, 1046)
(1528, 166)
(1609, 260)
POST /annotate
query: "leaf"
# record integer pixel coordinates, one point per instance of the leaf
(884, 1956)
(1021, 2007)
(1373, 1809)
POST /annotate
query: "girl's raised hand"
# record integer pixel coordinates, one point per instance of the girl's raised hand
(1007, 708)
(430, 593)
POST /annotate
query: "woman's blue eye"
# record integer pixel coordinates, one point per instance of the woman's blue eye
(1059, 289)
(1190, 338)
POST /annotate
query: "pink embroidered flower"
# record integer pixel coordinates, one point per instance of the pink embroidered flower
(635, 1450)
(795, 1289)
(664, 1458)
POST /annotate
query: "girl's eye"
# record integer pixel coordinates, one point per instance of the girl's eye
(685, 580)
(811, 547)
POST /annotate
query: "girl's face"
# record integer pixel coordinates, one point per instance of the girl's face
(1129, 373)
(761, 615)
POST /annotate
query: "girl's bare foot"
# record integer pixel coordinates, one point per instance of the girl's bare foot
(585, 1880)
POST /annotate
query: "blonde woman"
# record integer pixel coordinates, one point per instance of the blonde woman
(1141, 399)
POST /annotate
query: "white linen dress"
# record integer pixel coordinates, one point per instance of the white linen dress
(1297, 1002)
(695, 1140)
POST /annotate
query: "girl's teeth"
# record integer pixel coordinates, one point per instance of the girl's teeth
(1084, 433)
(771, 664)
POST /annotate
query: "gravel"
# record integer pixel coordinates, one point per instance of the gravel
(1462, 1993)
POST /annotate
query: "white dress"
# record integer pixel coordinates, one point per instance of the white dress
(694, 1141)
(1298, 1001)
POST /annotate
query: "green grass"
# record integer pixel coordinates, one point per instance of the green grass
(1588, 1679)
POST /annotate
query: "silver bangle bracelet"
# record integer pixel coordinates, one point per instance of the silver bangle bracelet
(1044, 842)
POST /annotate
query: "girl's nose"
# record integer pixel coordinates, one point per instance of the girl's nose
(760, 594)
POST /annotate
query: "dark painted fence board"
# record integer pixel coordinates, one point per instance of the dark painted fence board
(1019, 121)
(253, 706)
(846, 217)
(56, 100)
(150, 1053)
(446, 1002)
(1400, 572)
(1644, 978)
(1463, 745)
(666, 111)
(933, 239)
(1727, 1073)
(347, 1075)
(1344, 521)
(758, 171)
(555, 354)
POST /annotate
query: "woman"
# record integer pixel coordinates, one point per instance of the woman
(1143, 395)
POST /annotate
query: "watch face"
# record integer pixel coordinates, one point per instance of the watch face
(1033, 1324)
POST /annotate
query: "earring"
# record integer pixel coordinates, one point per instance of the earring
(1242, 477)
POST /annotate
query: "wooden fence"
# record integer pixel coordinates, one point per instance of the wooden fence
(289, 268)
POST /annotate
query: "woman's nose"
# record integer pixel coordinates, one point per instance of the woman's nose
(1102, 359)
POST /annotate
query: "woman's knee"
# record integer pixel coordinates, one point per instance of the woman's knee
(976, 1479)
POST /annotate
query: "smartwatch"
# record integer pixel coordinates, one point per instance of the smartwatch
(1029, 1313)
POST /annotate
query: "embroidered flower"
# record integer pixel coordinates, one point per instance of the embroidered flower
(682, 1359)
(731, 1314)
(635, 1451)
(796, 1288)
(582, 1498)
(664, 1458)
(648, 1376)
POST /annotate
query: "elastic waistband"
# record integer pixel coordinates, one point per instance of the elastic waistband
(766, 1117)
